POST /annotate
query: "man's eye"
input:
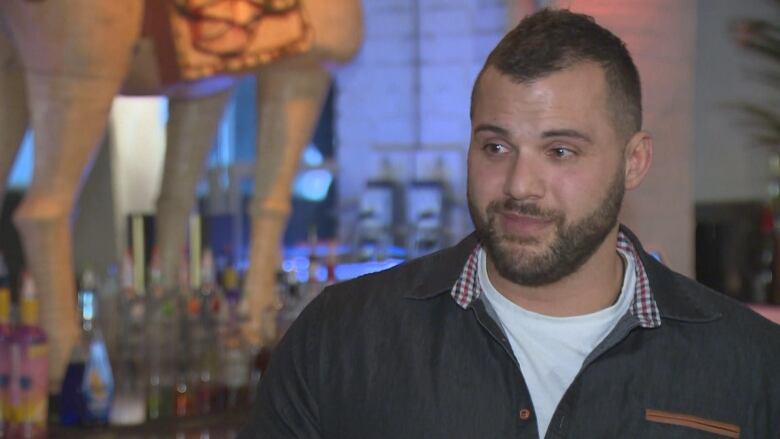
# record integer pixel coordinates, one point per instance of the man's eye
(496, 148)
(561, 152)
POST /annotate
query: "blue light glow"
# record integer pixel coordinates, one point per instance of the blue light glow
(313, 185)
(312, 156)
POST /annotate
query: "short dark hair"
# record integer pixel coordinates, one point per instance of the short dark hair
(554, 39)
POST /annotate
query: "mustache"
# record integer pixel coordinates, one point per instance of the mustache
(523, 208)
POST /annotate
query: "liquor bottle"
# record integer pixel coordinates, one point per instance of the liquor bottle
(183, 401)
(29, 369)
(231, 289)
(88, 388)
(288, 289)
(71, 399)
(5, 348)
(98, 382)
(109, 292)
(313, 277)
(236, 358)
(209, 390)
(197, 349)
(130, 403)
(331, 261)
(186, 346)
(235, 350)
(159, 338)
(129, 406)
(269, 318)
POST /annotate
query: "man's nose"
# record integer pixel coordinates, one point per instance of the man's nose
(525, 179)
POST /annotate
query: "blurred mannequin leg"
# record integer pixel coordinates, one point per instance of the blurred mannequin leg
(75, 55)
(290, 98)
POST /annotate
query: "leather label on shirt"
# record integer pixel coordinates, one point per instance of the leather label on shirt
(695, 422)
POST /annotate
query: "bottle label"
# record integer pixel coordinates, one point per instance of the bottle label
(97, 394)
(98, 383)
(29, 385)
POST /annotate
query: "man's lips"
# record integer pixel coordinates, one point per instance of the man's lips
(519, 224)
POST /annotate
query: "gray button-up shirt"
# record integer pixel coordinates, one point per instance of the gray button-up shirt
(392, 355)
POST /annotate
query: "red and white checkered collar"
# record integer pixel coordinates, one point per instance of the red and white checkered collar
(467, 289)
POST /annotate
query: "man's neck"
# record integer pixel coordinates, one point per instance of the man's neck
(593, 287)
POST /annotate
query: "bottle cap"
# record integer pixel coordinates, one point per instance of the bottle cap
(28, 305)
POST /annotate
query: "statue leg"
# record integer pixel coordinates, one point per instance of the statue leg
(192, 126)
(69, 119)
(13, 113)
(290, 98)
(75, 55)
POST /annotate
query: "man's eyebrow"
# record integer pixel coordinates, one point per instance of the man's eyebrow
(491, 128)
(566, 133)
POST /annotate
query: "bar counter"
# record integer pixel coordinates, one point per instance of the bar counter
(225, 425)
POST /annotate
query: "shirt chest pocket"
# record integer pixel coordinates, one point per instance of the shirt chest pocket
(688, 426)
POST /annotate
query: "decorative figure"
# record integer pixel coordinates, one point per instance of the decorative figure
(75, 56)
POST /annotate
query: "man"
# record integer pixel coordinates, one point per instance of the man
(551, 320)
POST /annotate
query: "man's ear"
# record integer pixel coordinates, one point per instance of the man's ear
(638, 157)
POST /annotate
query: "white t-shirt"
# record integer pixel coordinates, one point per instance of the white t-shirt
(550, 350)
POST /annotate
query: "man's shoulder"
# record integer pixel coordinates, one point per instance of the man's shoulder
(421, 277)
(391, 283)
(735, 320)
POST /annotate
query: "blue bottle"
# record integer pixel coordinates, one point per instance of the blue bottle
(88, 388)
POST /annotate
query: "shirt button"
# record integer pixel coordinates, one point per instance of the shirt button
(525, 414)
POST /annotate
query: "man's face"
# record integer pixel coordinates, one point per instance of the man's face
(545, 172)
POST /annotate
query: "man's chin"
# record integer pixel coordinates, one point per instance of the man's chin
(513, 240)
(520, 251)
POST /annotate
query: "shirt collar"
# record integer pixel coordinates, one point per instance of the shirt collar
(664, 293)
(467, 288)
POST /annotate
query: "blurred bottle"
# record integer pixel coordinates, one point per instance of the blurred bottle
(98, 382)
(88, 388)
(29, 369)
(235, 350)
(269, 336)
(129, 406)
(232, 291)
(331, 261)
(315, 264)
(109, 300)
(160, 340)
(187, 343)
(5, 348)
(71, 399)
(289, 291)
(208, 386)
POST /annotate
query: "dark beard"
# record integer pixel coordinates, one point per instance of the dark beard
(572, 245)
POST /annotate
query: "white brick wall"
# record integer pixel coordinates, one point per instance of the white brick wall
(406, 96)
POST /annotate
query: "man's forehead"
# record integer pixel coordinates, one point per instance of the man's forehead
(570, 100)
(581, 85)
